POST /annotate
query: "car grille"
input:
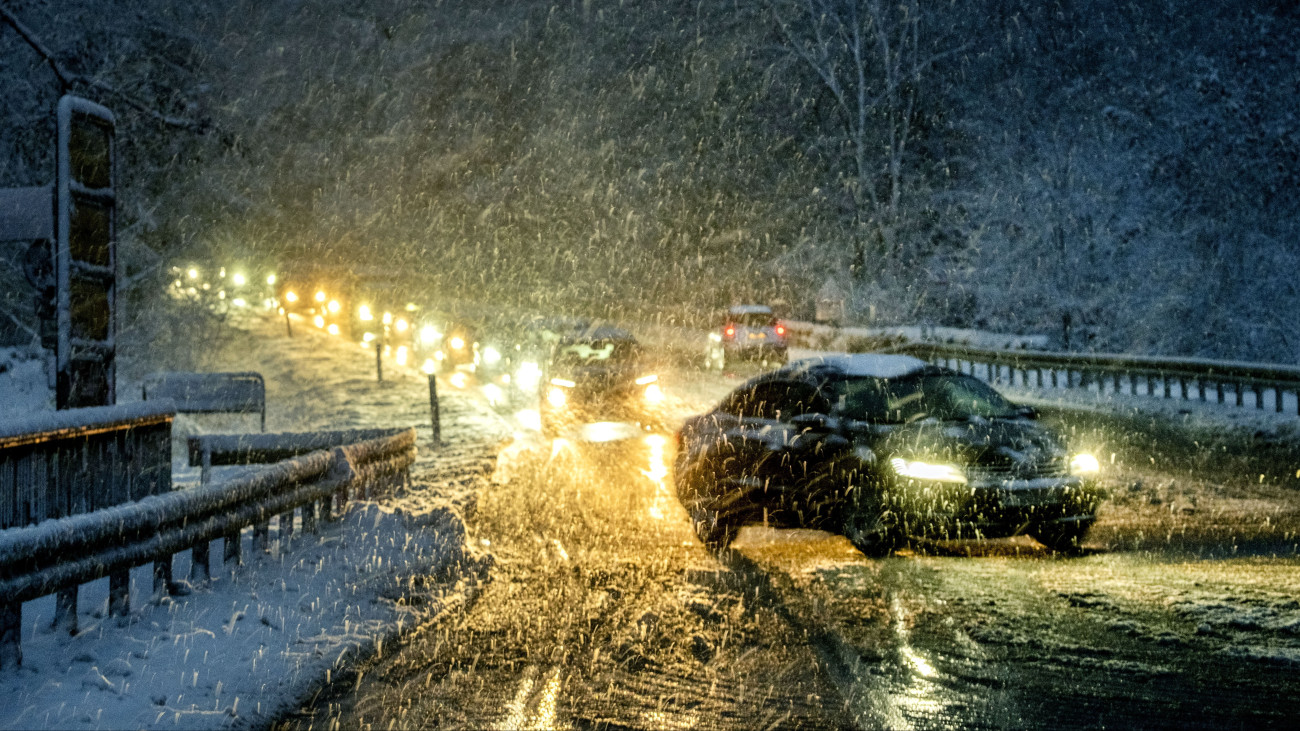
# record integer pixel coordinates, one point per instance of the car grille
(1002, 472)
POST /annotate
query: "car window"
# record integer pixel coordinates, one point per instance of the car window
(945, 397)
(776, 400)
(598, 351)
(753, 319)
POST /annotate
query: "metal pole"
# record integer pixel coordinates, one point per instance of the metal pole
(379, 359)
(433, 410)
(288, 328)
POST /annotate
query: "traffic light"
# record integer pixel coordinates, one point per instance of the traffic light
(85, 254)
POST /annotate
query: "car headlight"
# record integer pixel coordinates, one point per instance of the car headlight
(1084, 464)
(643, 380)
(528, 376)
(654, 394)
(457, 343)
(927, 471)
(563, 383)
(556, 397)
(491, 356)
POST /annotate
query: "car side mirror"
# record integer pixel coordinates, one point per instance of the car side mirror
(816, 423)
(1027, 412)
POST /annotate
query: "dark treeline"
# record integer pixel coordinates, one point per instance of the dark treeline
(996, 164)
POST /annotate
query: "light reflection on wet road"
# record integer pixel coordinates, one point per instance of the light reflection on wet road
(605, 612)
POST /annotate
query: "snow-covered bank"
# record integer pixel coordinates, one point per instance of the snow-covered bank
(249, 646)
(243, 649)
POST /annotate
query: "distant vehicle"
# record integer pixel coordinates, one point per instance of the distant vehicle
(597, 375)
(528, 351)
(880, 448)
(458, 349)
(746, 332)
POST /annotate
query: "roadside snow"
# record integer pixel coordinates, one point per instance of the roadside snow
(249, 645)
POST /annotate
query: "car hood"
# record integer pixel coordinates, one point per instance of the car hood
(1003, 445)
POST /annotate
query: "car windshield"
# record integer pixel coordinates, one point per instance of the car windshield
(595, 352)
(753, 319)
(940, 396)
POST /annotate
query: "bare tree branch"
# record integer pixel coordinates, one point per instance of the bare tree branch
(67, 79)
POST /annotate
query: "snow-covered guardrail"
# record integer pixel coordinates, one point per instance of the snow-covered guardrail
(1021, 361)
(1155, 376)
(59, 463)
(59, 555)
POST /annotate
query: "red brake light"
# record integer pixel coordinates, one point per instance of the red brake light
(780, 329)
(731, 331)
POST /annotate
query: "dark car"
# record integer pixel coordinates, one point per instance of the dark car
(746, 332)
(880, 448)
(597, 375)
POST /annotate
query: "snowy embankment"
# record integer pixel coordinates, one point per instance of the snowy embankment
(248, 646)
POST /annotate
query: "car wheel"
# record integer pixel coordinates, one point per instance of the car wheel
(713, 531)
(872, 531)
(547, 422)
(1062, 537)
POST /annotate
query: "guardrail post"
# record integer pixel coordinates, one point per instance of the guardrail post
(1182, 387)
(232, 549)
(327, 508)
(433, 410)
(119, 593)
(1200, 388)
(200, 568)
(65, 610)
(162, 577)
(286, 527)
(11, 633)
(1238, 392)
(1164, 382)
(262, 536)
(1218, 390)
(1277, 398)
(1259, 396)
(309, 517)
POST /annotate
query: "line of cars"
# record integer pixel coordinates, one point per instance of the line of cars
(879, 448)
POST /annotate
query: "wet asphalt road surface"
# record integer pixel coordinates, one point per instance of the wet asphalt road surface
(603, 611)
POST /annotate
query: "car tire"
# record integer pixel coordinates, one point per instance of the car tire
(713, 531)
(1062, 537)
(872, 531)
(549, 429)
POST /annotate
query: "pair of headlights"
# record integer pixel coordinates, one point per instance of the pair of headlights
(1083, 465)
(557, 395)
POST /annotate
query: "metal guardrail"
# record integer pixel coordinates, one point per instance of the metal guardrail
(59, 555)
(62, 463)
(1157, 377)
(210, 393)
(1257, 385)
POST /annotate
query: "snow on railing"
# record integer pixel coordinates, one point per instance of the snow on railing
(1021, 361)
(59, 555)
(1138, 375)
(59, 463)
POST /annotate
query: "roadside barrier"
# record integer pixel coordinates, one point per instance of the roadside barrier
(1157, 377)
(210, 393)
(59, 555)
(61, 463)
(1020, 363)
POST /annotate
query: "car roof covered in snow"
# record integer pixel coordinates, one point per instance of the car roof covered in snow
(878, 365)
(750, 310)
(599, 331)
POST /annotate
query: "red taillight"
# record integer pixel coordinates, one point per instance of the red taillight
(730, 331)
(780, 329)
